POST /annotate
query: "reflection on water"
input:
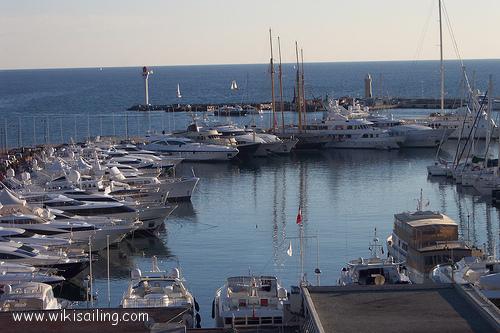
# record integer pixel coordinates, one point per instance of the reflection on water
(242, 217)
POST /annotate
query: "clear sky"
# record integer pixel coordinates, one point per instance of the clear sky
(99, 33)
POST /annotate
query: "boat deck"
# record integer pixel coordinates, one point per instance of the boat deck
(401, 308)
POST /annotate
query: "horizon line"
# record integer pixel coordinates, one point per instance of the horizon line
(237, 64)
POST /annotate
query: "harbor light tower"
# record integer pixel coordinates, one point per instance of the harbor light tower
(145, 74)
(368, 86)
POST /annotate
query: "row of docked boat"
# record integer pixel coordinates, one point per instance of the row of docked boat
(472, 164)
(340, 128)
(349, 128)
(243, 301)
(76, 200)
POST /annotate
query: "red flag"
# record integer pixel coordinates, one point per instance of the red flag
(299, 216)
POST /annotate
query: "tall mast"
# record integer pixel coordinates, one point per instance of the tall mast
(298, 107)
(441, 56)
(302, 86)
(282, 105)
(489, 128)
(273, 119)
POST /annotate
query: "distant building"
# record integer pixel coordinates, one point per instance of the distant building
(368, 86)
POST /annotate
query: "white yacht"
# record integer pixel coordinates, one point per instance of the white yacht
(33, 239)
(230, 111)
(355, 133)
(484, 273)
(15, 213)
(28, 296)
(374, 270)
(158, 289)
(117, 210)
(178, 189)
(440, 168)
(11, 273)
(16, 253)
(190, 151)
(415, 135)
(249, 302)
(455, 122)
(151, 215)
(247, 144)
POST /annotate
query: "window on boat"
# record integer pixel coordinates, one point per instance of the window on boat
(104, 210)
(175, 143)
(25, 253)
(365, 135)
(349, 127)
(348, 136)
(20, 221)
(75, 229)
(64, 203)
(9, 256)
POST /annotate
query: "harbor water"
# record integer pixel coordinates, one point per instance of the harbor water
(242, 217)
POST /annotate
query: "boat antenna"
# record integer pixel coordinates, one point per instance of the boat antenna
(375, 247)
(154, 264)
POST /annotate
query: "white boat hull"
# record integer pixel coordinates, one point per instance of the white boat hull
(386, 143)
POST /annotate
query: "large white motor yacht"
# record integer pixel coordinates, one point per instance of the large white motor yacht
(12, 252)
(189, 150)
(11, 273)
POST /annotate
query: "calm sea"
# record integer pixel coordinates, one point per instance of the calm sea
(242, 217)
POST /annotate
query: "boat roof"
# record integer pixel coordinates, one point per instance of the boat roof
(424, 218)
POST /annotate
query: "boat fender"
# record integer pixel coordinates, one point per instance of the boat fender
(7, 289)
(213, 309)
(196, 306)
(198, 320)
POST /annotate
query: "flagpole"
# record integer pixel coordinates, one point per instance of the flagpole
(301, 233)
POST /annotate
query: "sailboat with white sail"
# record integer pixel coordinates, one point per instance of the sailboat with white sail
(179, 91)
(234, 85)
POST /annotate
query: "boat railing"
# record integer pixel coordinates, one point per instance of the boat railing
(146, 302)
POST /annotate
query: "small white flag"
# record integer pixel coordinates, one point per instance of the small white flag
(289, 251)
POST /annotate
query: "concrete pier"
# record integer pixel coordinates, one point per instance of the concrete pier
(398, 308)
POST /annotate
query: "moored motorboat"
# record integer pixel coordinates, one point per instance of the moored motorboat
(249, 302)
